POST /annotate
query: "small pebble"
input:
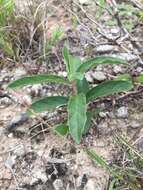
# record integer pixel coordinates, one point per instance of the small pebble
(20, 150)
(105, 48)
(58, 184)
(117, 69)
(103, 114)
(17, 120)
(19, 72)
(92, 185)
(122, 112)
(85, 2)
(9, 163)
(98, 75)
(127, 56)
(139, 69)
(89, 77)
(10, 135)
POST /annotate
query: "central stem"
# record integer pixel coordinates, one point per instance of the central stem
(74, 87)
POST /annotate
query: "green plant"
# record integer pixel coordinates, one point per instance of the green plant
(55, 37)
(140, 15)
(79, 117)
(101, 6)
(6, 20)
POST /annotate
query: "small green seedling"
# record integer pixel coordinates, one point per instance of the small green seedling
(78, 121)
(6, 19)
(56, 36)
(122, 176)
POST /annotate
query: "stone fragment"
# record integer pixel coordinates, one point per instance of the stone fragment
(122, 112)
(98, 75)
(58, 184)
(85, 2)
(17, 120)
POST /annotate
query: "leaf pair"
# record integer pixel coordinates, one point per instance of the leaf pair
(78, 117)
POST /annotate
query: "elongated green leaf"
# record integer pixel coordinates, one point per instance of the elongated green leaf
(75, 62)
(47, 103)
(36, 79)
(77, 116)
(113, 182)
(61, 129)
(98, 159)
(90, 115)
(109, 88)
(139, 79)
(124, 77)
(82, 86)
(75, 76)
(103, 163)
(72, 64)
(87, 126)
(66, 56)
(99, 60)
(101, 7)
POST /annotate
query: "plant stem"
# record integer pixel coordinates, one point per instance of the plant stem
(74, 87)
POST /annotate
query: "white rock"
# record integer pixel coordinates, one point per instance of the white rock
(99, 68)
(105, 48)
(5, 101)
(98, 75)
(58, 184)
(103, 114)
(19, 72)
(122, 112)
(63, 73)
(19, 150)
(92, 185)
(86, 2)
(117, 69)
(38, 174)
(10, 135)
(139, 69)
(9, 163)
(127, 56)
(89, 77)
(115, 31)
